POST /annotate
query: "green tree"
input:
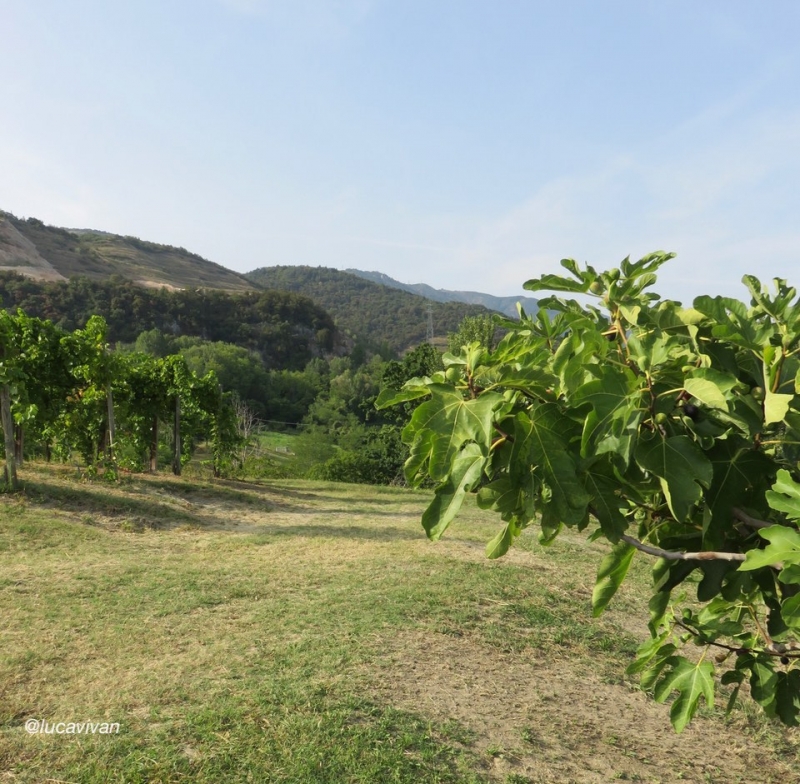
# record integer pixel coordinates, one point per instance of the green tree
(422, 362)
(154, 342)
(348, 400)
(376, 460)
(236, 368)
(166, 392)
(289, 394)
(473, 329)
(669, 432)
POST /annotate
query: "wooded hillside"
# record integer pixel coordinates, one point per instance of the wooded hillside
(287, 329)
(378, 315)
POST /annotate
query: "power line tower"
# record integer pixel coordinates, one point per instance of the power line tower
(429, 335)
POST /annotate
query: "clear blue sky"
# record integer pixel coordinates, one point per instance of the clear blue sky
(463, 144)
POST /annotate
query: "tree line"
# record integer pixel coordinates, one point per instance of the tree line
(380, 319)
(284, 328)
(71, 396)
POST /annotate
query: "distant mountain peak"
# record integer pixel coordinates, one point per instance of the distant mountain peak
(506, 305)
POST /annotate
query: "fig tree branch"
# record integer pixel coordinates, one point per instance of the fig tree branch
(752, 522)
(790, 649)
(673, 555)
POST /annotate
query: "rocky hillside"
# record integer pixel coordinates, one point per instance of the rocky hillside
(31, 248)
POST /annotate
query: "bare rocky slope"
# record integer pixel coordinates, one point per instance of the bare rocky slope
(42, 252)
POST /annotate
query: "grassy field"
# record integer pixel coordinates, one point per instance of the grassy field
(308, 632)
(276, 440)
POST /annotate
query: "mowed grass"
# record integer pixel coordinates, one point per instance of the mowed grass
(308, 632)
(275, 439)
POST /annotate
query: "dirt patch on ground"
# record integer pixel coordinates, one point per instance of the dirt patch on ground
(543, 721)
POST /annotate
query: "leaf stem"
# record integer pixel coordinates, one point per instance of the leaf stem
(754, 616)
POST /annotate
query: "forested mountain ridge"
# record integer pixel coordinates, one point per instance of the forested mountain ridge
(376, 314)
(506, 305)
(285, 328)
(108, 274)
(31, 248)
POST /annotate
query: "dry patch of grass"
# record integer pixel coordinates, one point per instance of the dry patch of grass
(549, 719)
(308, 632)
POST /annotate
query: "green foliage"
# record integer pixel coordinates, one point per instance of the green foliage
(473, 329)
(379, 317)
(236, 368)
(275, 396)
(66, 385)
(155, 343)
(286, 329)
(422, 362)
(378, 460)
(666, 430)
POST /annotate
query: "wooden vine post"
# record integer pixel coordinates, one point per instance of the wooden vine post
(8, 437)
